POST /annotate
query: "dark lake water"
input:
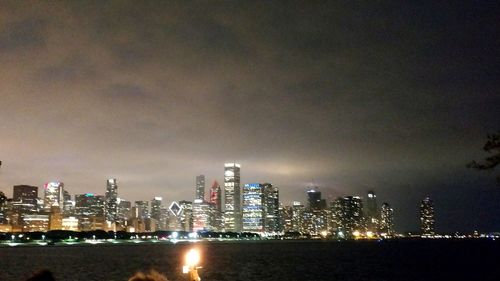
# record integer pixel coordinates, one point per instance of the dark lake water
(266, 260)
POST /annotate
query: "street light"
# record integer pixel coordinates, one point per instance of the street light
(192, 259)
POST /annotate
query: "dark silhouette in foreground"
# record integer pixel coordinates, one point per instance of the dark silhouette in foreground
(149, 276)
(152, 275)
(43, 275)
(492, 146)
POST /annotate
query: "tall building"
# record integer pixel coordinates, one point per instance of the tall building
(371, 212)
(261, 208)
(314, 199)
(253, 207)
(156, 208)
(386, 224)
(348, 215)
(201, 215)
(186, 215)
(53, 195)
(124, 210)
(24, 200)
(427, 217)
(55, 218)
(68, 204)
(298, 217)
(272, 208)
(232, 201)
(3, 203)
(25, 193)
(142, 209)
(200, 187)
(89, 205)
(111, 209)
(216, 196)
(217, 222)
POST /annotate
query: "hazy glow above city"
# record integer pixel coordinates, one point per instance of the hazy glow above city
(344, 97)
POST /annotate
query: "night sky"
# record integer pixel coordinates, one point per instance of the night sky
(350, 97)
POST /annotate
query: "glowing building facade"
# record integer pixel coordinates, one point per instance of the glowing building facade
(261, 208)
(53, 195)
(201, 215)
(427, 217)
(371, 212)
(386, 225)
(253, 207)
(232, 201)
(200, 187)
(111, 207)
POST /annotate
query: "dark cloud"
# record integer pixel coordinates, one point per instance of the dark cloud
(393, 96)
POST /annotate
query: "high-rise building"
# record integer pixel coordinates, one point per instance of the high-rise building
(174, 216)
(371, 212)
(25, 193)
(68, 204)
(232, 201)
(142, 209)
(314, 199)
(53, 195)
(272, 205)
(3, 203)
(186, 215)
(298, 217)
(200, 187)
(124, 210)
(286, 217)
(24, 200)
(201, 215)
(111, 208)
(253, 207)
(427, 217)
(55, 218)
(386, 225)
(261, 208)
(156, 208)
(349, 212)
(216, 196)
(216, 207)
(89, 205)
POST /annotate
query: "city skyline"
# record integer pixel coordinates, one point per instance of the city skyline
(392, 97)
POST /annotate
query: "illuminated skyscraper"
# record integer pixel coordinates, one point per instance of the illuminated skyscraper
(298, 216)
(351, 217)
(156, 208)
(124, 210)
(89, 209)
(216, 207)
(371, 212)
(427, 217)
(200, 187)
(201, 215)
(215, 196)
(53, 195)
(111, 209)
(253, 207)
(186, 215)
(272, 205)
(261, 208)
(142, 209)
(386, 219)
(89, 205)
(232, 201)
(24, 200)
